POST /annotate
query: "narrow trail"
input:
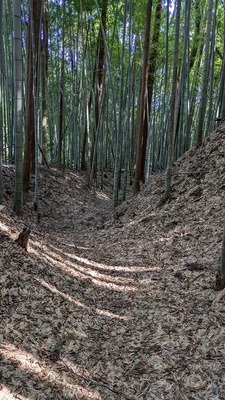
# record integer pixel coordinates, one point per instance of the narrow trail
(116, 304)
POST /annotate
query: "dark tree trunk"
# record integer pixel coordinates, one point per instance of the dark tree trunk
(61, 98)
(29, 148)
(29, 130)
(151, 79)
(100, 80)
(138, 177)
(44, 84)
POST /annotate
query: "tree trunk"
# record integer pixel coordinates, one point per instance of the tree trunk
(100, 75)
(29, 129)
(151, 80)
(18, 103)
(127, 144)
(120, 133)
(182, 100)
(88, 103)
(203, 102)
(1, 117)
(61, 95)
(172, 104)
(8, 80)
(32, 46)
(44, 44)
(142, 109)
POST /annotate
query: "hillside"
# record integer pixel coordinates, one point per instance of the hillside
(116, 304)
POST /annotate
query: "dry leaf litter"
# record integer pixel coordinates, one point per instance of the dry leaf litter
(116, 304)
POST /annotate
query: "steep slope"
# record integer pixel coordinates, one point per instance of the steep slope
(188, 228)
(116, 304)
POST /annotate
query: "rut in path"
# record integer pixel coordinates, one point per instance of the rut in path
(113, 304)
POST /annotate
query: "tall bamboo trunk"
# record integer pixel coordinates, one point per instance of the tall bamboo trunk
(142, 112)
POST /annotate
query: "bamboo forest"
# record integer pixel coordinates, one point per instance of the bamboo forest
(94, 85)
(112, 217)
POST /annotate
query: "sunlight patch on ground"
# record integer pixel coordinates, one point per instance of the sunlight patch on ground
(52, 252)
(110, 315)
(80, 267)
(102, 196)
(79, 271)
(25, 361)
(114, 287)
(116, 268)
(105, 313)
(53, 289)
(3, 227)
(6, 394)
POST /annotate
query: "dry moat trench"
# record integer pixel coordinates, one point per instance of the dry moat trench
(116, 304)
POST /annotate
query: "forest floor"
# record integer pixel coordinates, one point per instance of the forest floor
(116, 304)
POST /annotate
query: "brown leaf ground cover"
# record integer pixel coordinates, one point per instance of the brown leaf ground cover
(116, 304)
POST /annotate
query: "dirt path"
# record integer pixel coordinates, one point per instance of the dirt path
(115, 304)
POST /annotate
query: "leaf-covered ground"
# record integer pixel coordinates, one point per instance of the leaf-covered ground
(116, 304)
